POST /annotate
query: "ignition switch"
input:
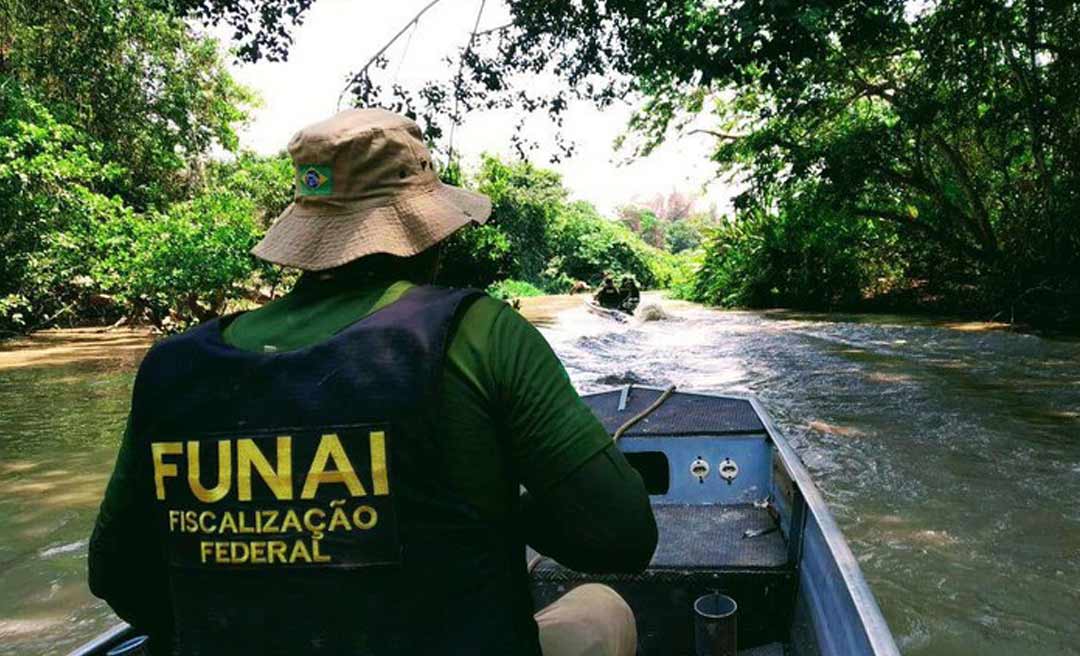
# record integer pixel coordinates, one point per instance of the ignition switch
(699, 469)
(728, 470)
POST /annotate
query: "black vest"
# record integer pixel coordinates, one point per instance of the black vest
(300, 496)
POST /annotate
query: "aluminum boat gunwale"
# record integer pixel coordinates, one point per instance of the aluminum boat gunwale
(877, 630)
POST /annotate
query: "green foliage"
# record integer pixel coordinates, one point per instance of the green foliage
(475, 256)
(653, 231)
(107, 204)
(525, 201)
(183, 264)
(112, 207)
(643, 222)
(71, 251)
(885, 147)
(798, 256)
(267, 182)
(134, 78)
(513, 242)
(507, 289)
(585, 246)
(667, 221)
(682, 236)
(673, 272)
(536, 236)
(684, 275)
(187, 262)
(48, 175)
(955, 123)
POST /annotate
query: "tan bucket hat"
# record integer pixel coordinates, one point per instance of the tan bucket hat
(365, 183)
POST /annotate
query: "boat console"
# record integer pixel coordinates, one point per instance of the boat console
(707, 463)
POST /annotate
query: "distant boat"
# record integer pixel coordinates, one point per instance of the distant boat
(737, 513)
(617, 314)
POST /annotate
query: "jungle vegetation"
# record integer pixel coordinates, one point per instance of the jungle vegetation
(911, 151)
(891, 153)
(115, 206)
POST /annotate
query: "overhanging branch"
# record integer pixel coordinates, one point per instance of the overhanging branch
(719, 135)
(363, 70)
(457, 81)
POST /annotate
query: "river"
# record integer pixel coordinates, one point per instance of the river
(949, 453)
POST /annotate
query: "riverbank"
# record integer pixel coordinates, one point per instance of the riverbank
(123, 347)
(120, 348)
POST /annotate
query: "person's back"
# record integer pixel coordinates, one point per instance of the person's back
(338, 472)
(629, 294)
(608, 295)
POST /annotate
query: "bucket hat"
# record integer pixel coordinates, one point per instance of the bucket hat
(365, 184)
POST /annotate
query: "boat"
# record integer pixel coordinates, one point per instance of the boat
(738, 516)
(617, 314)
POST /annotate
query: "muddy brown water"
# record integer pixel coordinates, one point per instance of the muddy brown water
(950, 454)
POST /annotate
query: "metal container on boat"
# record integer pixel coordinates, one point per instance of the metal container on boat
(738, 514)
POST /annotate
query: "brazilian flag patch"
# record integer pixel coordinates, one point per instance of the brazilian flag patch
(314, 180)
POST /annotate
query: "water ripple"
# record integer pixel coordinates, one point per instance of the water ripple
(950, 458)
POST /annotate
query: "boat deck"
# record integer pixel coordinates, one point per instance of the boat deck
(684, 414)
(712, 536)
(717, 535)
(693, 535)
(701, 548)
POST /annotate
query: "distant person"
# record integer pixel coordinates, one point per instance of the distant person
(608, 295)
(338, 472)
(629, 294)
(579, 287)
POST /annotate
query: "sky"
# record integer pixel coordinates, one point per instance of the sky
(338, 36)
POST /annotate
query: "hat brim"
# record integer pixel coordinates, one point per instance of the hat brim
(316, 236)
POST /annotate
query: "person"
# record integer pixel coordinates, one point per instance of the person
(629, 294)
(579, 287)
(608, 295)
(339, 471)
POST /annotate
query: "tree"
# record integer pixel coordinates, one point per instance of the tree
(586, 246)
(672, 207)
(682, 236)
(645, 223)
(49, 174)
(137, 80)
(108, 111)
(665, 221)
(954, 122)
(536, 237)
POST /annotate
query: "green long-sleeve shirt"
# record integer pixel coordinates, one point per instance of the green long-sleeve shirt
(511, 418)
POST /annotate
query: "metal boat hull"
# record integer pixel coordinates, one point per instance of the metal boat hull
(607, 313)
